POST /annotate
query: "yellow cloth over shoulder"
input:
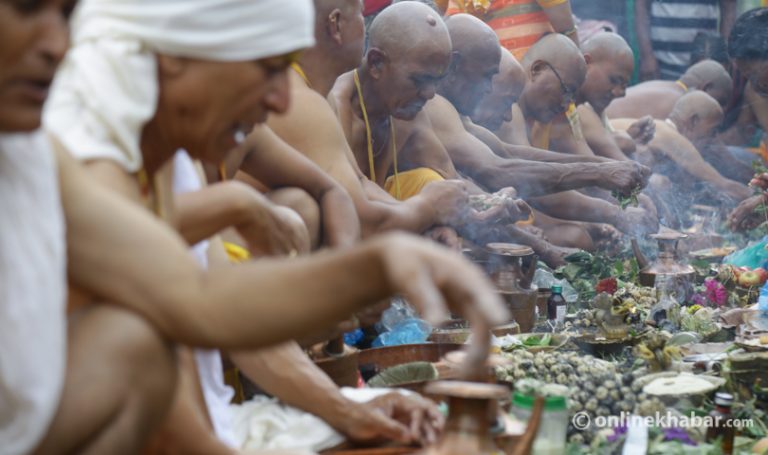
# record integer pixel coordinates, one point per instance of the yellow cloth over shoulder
(411, 182)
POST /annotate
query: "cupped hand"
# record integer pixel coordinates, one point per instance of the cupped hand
(746, 216)
(643, 130)
(449, 200)
(394, 417)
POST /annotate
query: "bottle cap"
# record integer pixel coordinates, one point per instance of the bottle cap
(724, 399)
(557, 288)
(550, 403)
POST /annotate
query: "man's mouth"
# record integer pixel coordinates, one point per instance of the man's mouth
(35, 89)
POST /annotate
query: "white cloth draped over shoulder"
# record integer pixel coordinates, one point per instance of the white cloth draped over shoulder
(32, 291)
(107, 88)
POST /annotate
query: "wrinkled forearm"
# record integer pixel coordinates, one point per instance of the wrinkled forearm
(532, 178)
(530, 153)
(573, 205)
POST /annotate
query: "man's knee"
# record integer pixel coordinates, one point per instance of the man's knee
(120, 379)
(305, 205)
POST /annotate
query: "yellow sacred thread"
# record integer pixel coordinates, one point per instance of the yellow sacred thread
(371, 165)
(300, 71)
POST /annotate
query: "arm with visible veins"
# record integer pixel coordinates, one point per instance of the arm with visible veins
(531, 178)
(505, 150)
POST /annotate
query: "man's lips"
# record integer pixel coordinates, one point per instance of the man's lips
(35, 90)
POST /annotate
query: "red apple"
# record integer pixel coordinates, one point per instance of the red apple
(749, 279)
(763, 274)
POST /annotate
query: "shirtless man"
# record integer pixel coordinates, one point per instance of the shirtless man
(610, 64)
(311, 126)
(527, 176)
(747, 46)
(425, 65)
(466, 150)
(672, 152)
(657, 98)
(109, 392)
(495, 109)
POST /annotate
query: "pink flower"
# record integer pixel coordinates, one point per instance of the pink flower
(715, 292)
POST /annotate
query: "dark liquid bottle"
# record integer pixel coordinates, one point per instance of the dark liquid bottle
(556, 306)
(721, 424)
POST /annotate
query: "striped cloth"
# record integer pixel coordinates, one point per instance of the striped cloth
(518, 23)
(674, 24)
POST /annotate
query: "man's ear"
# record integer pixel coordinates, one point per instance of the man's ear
(334, 26)
(707, 87)
(538, 67)
(171, 67)
(693, 121)
(376, 59)
(588, 58)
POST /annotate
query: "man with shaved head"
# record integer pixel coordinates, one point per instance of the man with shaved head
(672, 152)
(311, 127)
(610, 64)
(656, 98)
(495, 108)
(422, 148)
(480, 154)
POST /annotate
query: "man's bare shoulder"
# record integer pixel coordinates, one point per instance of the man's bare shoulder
(442, 114)
(589, 119)
(651, 87)
(341, 91)
(308, 108)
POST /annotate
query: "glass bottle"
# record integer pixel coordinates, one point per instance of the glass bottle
(556, 307)
(665, 302)
(721, 423)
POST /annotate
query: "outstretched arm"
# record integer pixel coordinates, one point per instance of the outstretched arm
(523, 152)
(531, 178)
(684, 154)
(149, 270)
(600, 140)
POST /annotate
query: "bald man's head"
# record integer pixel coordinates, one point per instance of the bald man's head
(610, 64)
(496, 107)
(555, 69)
(339, 31)
(476, 55)
(697, 115)
(409, 51)
(711, 77)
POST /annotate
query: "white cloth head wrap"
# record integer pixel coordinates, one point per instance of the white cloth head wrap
(107, 87)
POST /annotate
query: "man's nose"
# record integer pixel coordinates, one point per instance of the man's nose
(278, 97)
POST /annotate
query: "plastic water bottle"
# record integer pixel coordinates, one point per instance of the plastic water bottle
(762, 300)
(761, 321)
